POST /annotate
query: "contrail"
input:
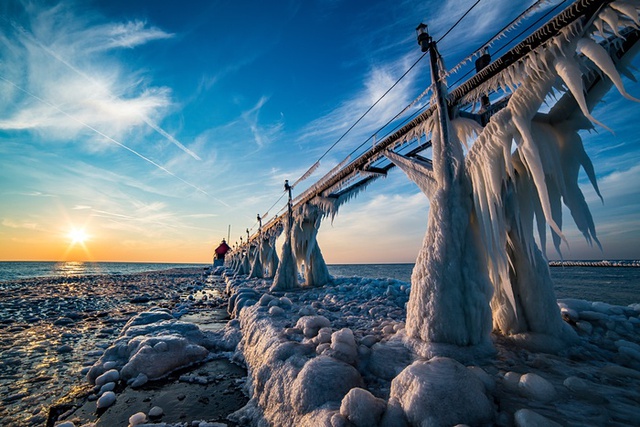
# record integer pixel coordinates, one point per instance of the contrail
(97, 84)
(112, 140)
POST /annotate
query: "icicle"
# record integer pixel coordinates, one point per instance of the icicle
(532, 159)
(308, 173)
(572, 77)
(601, 58)
(465, 129)
(611, 18)
(626, 9)
(417, 171)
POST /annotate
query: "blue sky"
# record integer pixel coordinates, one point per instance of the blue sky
(154, 125)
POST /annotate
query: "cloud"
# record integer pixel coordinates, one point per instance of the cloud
(50, 55)
(262, 134)
(19, 224)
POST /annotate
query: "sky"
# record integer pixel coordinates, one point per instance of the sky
(142, 131)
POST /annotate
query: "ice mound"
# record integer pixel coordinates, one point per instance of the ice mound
(156, 357)
(151, 345)
(362, 408)
(323, 379)
(440, 392)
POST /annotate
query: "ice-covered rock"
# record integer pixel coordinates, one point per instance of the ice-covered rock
(362, 408)
(441, 391)
(110, 386)
(111, 375)
(487, 380)
(388, 359)
(139, 381)
(535, 387)
(177, 352)
(343, 346)
(529, 418)
(155, 412)
(323, 379)
(106, 400)
(511, 380)
(310, 325)
(137, 419)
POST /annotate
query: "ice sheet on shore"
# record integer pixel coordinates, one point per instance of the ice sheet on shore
(338, 355)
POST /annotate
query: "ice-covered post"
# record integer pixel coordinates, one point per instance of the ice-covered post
(450, 290)
(305, 234)
(287, 273)
(270, 256)
(256, 267)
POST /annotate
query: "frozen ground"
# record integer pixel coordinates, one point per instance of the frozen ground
(338, 356)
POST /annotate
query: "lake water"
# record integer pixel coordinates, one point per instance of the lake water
(613, 285)
(25, 269)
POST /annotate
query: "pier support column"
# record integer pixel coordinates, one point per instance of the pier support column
(450, 289)
(270, 256)
(306, 246)
(286, 276)
(256, 265)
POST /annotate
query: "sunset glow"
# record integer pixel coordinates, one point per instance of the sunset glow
(78, 236)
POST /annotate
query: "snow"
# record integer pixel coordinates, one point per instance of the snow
(340, 353)
(362, 408)
(441, 392)
(152, 344)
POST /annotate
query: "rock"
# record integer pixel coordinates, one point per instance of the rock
(110, 386)
(528, 418)
(64, 349)
(140, 299)
(275, 311)
(106, 400)
(362, 408)
(441, 391)
(156, 412)
(111, 375)
(139, 381)
(137, 418)
(535, 387)
(323, 379)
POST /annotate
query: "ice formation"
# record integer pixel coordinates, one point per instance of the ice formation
(381, 353)
(286, 276)
(306, 249)
(510, 191)
(256, 265)
(341, 354)
(450, 296)
(151, 345)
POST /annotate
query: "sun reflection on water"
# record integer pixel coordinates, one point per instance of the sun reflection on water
(71, 268)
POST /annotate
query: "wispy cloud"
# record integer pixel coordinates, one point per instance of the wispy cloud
(7, 222)
(262, 134)
(63, 58)
(322, 132)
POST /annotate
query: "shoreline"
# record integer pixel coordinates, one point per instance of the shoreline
(335, 348)
(52, 329)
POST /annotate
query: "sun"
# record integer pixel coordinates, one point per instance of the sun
(78, 236)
